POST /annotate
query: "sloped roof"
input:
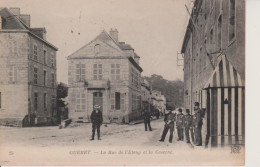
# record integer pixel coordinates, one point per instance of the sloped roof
(12, 22)
(106, 38)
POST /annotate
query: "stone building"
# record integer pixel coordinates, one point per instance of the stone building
(146, 94)
(158, 100)
(214, 68)
(105, 72)
(27, 70)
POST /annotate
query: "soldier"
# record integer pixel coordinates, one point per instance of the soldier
(188, 125)
(197, 117)
(169, 124)
(147, 119)
(179, 124)
(97, 120)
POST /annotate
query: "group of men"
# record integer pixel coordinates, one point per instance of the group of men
(187, 124)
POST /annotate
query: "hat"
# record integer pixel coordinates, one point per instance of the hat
(96, 106)
(180, 110)
(196, 104)
(187, 110)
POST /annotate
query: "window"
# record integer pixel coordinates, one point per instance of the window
(0, 100)
(219, 32)
(97, 49)
(117, 98)
(135, 77)
(45, 56)
(12, 74)
(35, 101)
(122, 101)
(44, 78)
(45, 101)
(80, 72)
(211, 36)
(53, 104)
(115, 71)
(35, 52)
(97, 71)
(232, 19)
(35, 76)
(52, 59)
(112, 101)
(80, 102)
(52, 80)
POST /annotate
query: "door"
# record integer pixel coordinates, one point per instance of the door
(98, 100)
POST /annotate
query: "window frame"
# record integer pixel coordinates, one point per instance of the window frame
(35, 75)
(97, 71)
(231, 40)
(35, 52)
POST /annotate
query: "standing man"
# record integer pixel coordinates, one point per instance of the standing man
(147, 117)
(96, 120)
(179, 124)
(169, 124)
(188, 126)
(198, 116)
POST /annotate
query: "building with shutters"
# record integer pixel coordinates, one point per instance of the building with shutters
(214, 68)
(27, 70)
(105, 72)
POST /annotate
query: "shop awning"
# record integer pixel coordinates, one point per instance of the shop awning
(224, 75)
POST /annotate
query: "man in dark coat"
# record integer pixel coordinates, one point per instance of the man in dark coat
(197, 117)
(179, 124)
(96, 120)
(169, 124)
(147, 120)
(188, 126)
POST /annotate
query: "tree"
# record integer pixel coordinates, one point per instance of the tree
(172, 90)
(62, 92)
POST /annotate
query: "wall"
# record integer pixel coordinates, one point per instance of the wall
(199, 65)
(14, 53)
(43, 115)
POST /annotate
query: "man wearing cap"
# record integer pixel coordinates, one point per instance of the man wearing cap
(188, 126)
(179, 124)
(96, 120)
(197, 117)
(169, 124)
(147, 117)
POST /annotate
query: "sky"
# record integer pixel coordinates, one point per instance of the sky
(154, 28)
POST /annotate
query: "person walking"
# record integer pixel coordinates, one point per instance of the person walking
(169, 124)
(179, 124)
(188, 125)
(96, 120)
(147, 117)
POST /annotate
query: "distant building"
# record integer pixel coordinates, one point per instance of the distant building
(146, 94)
(27, 70)
(158, 100)
(105, 72)
(214, 68)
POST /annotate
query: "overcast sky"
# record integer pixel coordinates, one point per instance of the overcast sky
(154, 28)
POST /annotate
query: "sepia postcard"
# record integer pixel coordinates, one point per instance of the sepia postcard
(122, 82)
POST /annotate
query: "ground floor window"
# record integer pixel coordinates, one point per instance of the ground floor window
(45, 101)
(117, 101)
(35, 101)
(0, 100)
(80, 102)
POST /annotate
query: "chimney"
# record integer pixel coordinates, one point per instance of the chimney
(15, 11)
(26, 19)
(114, 34)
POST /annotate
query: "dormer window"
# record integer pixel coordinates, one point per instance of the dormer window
(97, 49)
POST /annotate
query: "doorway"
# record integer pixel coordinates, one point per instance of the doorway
(98, 100)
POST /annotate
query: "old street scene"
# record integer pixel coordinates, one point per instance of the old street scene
(135, 77)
